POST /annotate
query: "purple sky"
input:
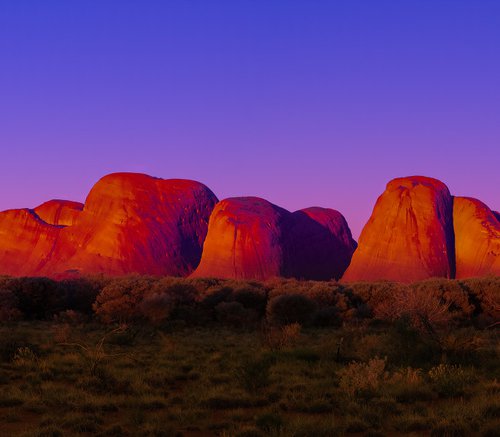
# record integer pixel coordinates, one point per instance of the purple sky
(300, 102)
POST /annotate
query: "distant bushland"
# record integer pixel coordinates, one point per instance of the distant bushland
(139, 299)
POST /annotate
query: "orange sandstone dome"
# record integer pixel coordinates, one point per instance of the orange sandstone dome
(409, 235)
(26, 242)
(59, 212)
(130, 223)
(250, 238)
(477, 238)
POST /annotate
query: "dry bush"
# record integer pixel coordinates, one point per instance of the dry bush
(80, 293)
(425, 310)
(9, 310)
(485, 293)
(290, 308)
(180, 291)
(120, 300)
(280, 337)
(156, 307)
(38, 298)
(407, 376)
(374, 294)
(251, 298)
(235, 314)
(449, 291)
(363, 379)
(25, 358)
(450, 380)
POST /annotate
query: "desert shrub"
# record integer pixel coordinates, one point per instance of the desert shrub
(485, 294)
(180, 291)
(407, 385)
(362, 379)
(156, 307)
(449, 380)
(290, 308)
(9, 310)
(422, 308)
(235, 314)
(215, 295)
(38, 298)
(373, 294)
(450, 293)
(80, 293)
(24, 357)
(120, 300)
(327, 316)
(251, 298)
(279, 337)
(463, 345)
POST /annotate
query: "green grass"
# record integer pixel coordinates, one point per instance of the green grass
(218, 382)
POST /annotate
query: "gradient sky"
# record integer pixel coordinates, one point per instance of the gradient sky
(300, 102)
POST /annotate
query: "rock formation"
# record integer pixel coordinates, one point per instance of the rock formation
(409, 235)
(322, 244)
(477, 238)
(59, 212)
(250, 238)
(131, 223)
(26, 242)
(244, 240)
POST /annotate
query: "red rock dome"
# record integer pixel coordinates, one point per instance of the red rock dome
(244, 240)
(321, 244)
(250, 238)
(130, 223)
(26, 242)
(477, 238)
(409, 235)
(59, 212)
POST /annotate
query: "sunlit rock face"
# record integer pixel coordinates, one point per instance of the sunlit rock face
(59, 212)
(320, 244)
(130, 223)
(26, 242)
(244, 240)
(250, 238)
(477, 238)
(409, 235)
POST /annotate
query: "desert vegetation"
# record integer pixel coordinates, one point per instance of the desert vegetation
(204, 357)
